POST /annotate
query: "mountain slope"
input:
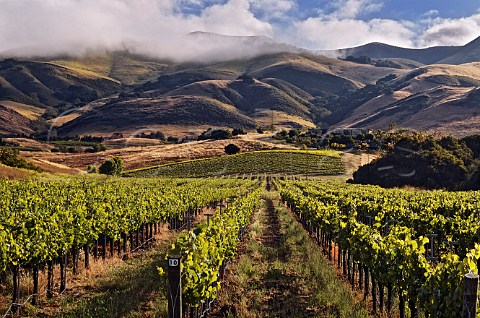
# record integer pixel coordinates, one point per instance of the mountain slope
(288, 85)
(469, 53)
(44, 84)
(381, 51)
(122, 66)
(247, 95)
(433, 98)
(135, 114)
(12, 123)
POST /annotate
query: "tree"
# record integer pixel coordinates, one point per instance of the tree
(238, 131)
(112, 167)
(232, 149)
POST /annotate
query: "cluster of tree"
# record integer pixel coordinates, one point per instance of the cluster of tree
(367, 60)
(219, 134)
(79, 147)
(9, 157)
(331, 140)
(153, 135)
(421, 160)
(158, 135)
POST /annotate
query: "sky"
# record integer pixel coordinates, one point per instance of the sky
(159, 26)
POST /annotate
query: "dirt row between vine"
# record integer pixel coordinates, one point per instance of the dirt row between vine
(280, 272)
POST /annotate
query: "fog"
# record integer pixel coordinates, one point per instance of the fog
(156, 28)
(162, 28)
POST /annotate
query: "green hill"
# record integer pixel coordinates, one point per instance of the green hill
(273, 162)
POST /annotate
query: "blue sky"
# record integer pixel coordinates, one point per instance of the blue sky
(405, 9)
(327, 24)
(53, 26)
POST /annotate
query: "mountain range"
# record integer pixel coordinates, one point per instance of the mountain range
(372, 86)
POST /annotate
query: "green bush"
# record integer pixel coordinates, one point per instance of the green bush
(10, 158)
(112, 167)
(92, 169)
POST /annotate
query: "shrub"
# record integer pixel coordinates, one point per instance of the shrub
(92, 169)
(113, 167)
(232, 149)
(238, 131)
(10, 158)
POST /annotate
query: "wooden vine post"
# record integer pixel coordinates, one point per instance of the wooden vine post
(174, 293)
(470, 292)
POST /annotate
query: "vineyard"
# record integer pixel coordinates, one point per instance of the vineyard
(407, 251)
(43, 224)
(418, 245)
(259, 162)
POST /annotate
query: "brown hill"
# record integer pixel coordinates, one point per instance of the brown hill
(135, 114)
(43, 84)
(246, 95)
(434, 98)
(12, 123)
(381, 51)
(467, 54)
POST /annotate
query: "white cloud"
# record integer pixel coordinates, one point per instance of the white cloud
(318, 33)
(75, 26)
(441, 31)
(431, 13)
(158, 27)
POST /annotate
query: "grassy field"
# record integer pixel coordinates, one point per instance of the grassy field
(280, 272)
(276, 162)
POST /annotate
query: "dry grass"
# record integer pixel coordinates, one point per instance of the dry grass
(52, 167)
(140, 157)
(109, 286)
(30, 143)
(10, 173)
(280, 120)
(31, 112)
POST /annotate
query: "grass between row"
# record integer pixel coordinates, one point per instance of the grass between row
(115, 288)
(280, 272)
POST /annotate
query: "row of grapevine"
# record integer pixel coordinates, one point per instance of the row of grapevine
(205, 250)
(387, 235)
(42, 221)
(291, 162)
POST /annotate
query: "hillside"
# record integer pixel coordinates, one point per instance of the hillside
(467, 54)
(47, 85)
(133, 114)
(292, 85)
(122, 66)
(247, 95)
(109, 92)
(11, 122)
(435, 98)
(380, 51)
